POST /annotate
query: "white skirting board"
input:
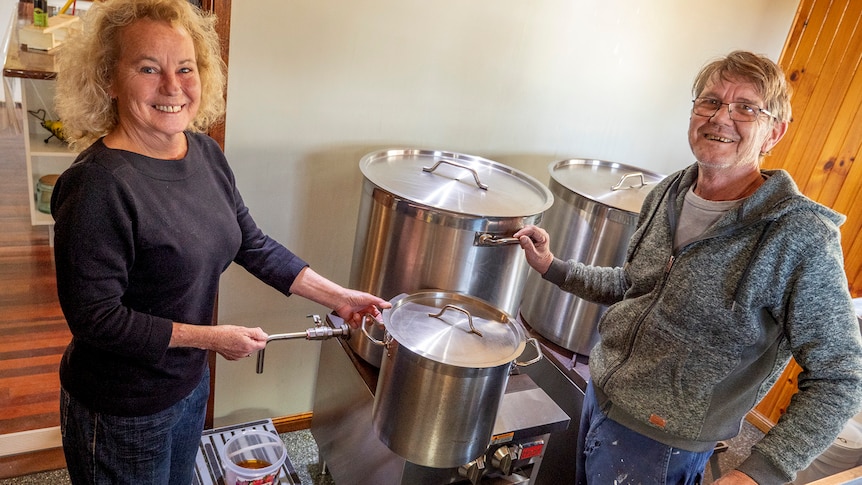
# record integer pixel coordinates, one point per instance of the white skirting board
(31, 440)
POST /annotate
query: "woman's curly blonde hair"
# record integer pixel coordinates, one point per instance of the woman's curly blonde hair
(88, 60)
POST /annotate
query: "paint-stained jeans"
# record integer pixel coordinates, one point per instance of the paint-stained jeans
(611, 454)
(145, 450)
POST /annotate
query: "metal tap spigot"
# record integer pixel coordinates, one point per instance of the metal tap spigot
(318, 332)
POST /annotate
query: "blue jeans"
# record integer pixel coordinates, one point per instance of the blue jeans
(156, 449)
(610, 453)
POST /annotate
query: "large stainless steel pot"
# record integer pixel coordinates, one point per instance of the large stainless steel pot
(441, 220)
(446, 365)
(595, 212)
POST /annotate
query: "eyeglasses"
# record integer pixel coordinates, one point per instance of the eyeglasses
(737, 111)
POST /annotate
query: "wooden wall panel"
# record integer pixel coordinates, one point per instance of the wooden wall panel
(822, 59)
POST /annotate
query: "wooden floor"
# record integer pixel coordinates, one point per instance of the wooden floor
(33, 332)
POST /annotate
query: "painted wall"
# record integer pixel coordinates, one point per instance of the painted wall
(316, 84)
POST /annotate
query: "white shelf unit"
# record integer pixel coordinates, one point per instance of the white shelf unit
(42, 158)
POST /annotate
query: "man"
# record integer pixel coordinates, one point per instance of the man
(730, 272)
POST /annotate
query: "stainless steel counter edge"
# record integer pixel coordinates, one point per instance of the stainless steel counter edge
(852, 476)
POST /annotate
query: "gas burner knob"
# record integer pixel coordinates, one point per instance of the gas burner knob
(503, 458)
(474, 470)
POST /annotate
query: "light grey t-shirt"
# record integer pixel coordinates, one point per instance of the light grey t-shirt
(698, 215)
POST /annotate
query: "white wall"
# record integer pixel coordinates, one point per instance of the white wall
(316, 84)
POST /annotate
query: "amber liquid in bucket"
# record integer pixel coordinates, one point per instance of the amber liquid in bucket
(254, 464)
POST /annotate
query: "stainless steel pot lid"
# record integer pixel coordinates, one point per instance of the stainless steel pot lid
(455, 182)
(615, 185)
(436, 325)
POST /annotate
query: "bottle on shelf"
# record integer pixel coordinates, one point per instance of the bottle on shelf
(40, 13)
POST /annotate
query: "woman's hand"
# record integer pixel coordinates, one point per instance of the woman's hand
(534, 241)
(351, 305)
(234, 342)
(357, 304)
(231, 341)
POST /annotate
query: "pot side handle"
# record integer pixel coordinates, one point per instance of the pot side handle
(535, 359)
(364, 327)
(486, 240)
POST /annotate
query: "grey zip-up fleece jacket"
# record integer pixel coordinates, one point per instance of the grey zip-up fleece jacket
(694, 338)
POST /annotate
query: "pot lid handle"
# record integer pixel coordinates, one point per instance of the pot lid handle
(619, 185)
(456, 308)
(456, 164)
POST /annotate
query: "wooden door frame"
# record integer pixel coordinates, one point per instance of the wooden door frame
(221, 8)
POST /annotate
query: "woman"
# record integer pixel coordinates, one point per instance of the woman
(147, 218)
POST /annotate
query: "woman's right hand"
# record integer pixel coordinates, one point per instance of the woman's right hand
(234, 342)
(534, 240)
(230, 341)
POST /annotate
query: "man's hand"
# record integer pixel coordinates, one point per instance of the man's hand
(534, 241)
(734, 477)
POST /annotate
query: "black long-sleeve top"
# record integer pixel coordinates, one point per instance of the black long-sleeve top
(140, 243)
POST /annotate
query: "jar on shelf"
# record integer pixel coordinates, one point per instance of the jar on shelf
(44, 189)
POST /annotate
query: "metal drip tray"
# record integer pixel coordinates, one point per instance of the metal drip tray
(209, 469)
